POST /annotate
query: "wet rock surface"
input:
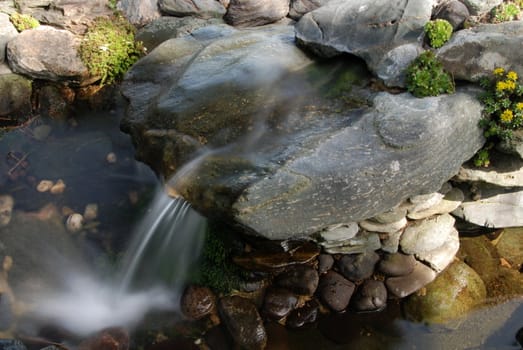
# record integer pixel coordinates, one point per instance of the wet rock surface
(371, 295)
(255, 12)
(300, 279)
(356, 267)
(278, 303)
(335, 291)
(197, 302)
(303, 315)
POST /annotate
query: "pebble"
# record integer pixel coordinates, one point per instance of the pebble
(385, 228)
(340, 232)
(325, 262)
(363, 242)
(439, 258)
(300, 279)
(306, 314)
(58, 187)
(278, 303)
(44, 186)
(111, 158)
(197, 302)
(41, 132)
(335, 291)
(397, 264)
(356, 267)
(371, 295)
(74, 223)
(427, 234)
(425, 201)
(390, 244)
(403, 286)
(6, 209)
(91, 212)
(390, 216)
(243, 322)
(449, 203)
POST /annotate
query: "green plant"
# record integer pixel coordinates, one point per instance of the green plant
(439, 32)
(112, 4)
(23, 22)
(108, 49)
(503, 110)
(426, 76)
(506, 11)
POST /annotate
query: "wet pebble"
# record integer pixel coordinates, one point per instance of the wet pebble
(6, 209)
(370, 296)
(278, 303)
(44, 186)
(197, 302)
(306, 314)
(372, 226)
(107, 339)
(91, 212)
(325, 262)
(74, 223)
(396, 264)
(403, 286)
(243, 322)
(300, 279)
(58, 187)
(335, 290)
(357, 267)
(111, 158)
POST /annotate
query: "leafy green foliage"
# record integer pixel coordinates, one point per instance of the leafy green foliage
(216, 269)
(112, 4)
(506, 11)
(23, 22)
(439, 32)
(503, 110)
(426, 76)
(108, 49)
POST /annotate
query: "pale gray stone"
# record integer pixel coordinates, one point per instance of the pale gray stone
(424, 201)
(480, 7)
(384, 228)
(514, 145)
(300, 7)
(403, 286)
(7, 33)
(139, 12)
(363, 242)
(29, 54)
(426, 235)
(250, 13)
(341, 232)
(453, 11)
(474, 53)
(198, 8)
(506, 171)
(440, 257)
(391, 243)
(450, 202)
(392, 215)
(393, 66)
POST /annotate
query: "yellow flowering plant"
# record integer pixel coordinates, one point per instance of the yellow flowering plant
(503, 110)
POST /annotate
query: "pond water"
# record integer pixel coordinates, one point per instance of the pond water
(96, 293)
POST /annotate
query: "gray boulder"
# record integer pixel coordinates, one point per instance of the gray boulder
(139, 12)
(481, 7)
(365, 28)
(505, 171)
(29, 54)
(300, 7)
(250, 13)
(7, 32)
(198, 8)
(474, 53)
(453, 11)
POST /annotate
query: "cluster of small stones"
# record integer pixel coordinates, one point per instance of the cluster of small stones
(351, 267)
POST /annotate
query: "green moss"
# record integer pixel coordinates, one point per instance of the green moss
(112, 4)
(23, 22)
(216, 269)
(426, 76)
(108, 49)
(438, 32)
(506, 11)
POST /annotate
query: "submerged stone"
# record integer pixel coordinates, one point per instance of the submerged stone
(303, 315)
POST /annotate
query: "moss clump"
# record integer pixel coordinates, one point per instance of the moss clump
(216, 269)
(108, 49)
(438, 32)
(506, 11)
(23, 22)
(426, 77)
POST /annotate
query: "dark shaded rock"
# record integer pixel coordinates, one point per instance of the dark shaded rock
(303, 315)
(197, 302)
(481, 7)
(278, 303)
(243, 322)
(197, 8)
(29, 54)
(171, 344)
(55, 101)
(301, 279)
(250, 13)
(356, 267)
(15, 99)
(365, 28)
(325, 262)
(11, 344)
(454, 11)
(139, 12)
(7, 33)
(402, 286)
(165, 28)
(396, 264)
(218, 338)
(300, 7)
(473, 53)
(107, 339)
(370, 296)
(519, 337)
(335, 291)
(275, 260)
(454, 293)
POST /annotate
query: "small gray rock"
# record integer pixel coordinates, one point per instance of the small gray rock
(454, 11)
(139, 12)
(250, 13)
(197, 8)
(370, 296)
(356, 267)
(396, 264)
(402, 286)
(449, 203)
(325, 262)
(335, 291)
(383, 228)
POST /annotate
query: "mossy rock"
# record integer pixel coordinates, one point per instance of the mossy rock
(455, 292)
(15, 99)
